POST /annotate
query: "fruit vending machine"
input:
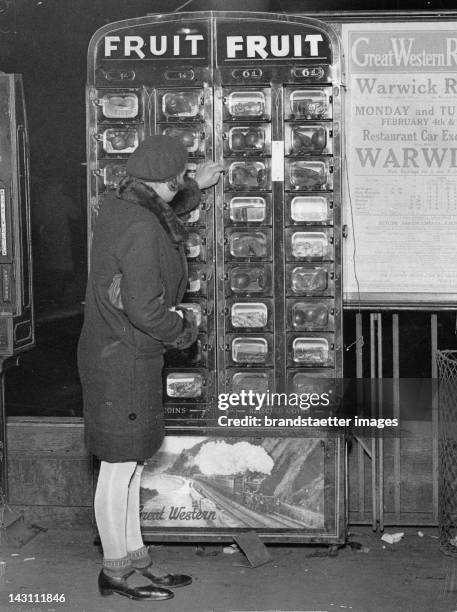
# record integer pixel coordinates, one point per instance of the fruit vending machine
(260, 94)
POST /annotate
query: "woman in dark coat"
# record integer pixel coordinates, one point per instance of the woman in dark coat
(138, 275)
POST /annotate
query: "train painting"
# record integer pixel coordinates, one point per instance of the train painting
(239, 483)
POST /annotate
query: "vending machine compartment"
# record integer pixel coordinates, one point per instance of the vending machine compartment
(310, 314)
(252, 244)
(308, 139)
(247, 140)
(110, 174)
(247, 175)
(115, 104)
(309, 245)
(309, 279)
(315, 349)
(249, 350)
(248, 279)
(194, 355)
(310, 104)
(257, 381)
(180, 105)
(315, 209)
(317, 381)
(195, 246)
(192, 136)
(197, 283)
(312, 174)
(121, 140)
(248, 315)
(190, 385)
(194, 217)
(248, 209)
(201, 309)
(247, 104)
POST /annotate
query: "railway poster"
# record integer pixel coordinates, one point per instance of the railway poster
(209, 482)
(401, 154)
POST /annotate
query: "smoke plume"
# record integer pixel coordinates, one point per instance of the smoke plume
(222, 458)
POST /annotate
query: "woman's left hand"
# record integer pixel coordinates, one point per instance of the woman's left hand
(207, 174)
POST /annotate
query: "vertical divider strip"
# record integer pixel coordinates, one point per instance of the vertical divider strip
(380, 436)
(396, 413)
(435, 408)
(279, 256)
(374, 496)
(360, 451)
(211, 239)
(219, 267)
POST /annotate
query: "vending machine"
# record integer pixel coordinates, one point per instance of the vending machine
(16, 305)
(261, 94)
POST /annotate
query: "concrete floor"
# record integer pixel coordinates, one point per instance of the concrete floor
(411, 576)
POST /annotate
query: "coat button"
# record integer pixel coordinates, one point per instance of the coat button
(132, 416)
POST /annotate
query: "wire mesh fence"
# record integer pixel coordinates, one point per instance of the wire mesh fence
(447, 501)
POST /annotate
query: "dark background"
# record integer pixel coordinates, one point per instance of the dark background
(46, 41)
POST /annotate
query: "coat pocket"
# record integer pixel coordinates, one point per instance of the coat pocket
(147, 404)
(147, 384)
(108, 388)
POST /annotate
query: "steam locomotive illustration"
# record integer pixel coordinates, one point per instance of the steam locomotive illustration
(242, 488)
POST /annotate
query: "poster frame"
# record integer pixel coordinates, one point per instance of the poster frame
(385, 301)
(334, 461)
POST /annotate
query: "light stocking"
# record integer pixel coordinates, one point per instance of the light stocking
(110, 505)
(137, 550)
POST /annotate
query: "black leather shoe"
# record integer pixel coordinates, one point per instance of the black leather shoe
(170, 581)
(107, 585)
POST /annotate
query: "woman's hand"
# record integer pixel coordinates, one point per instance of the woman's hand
(189, 331)
(207, 174)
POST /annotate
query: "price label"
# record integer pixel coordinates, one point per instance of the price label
(247, 73)
(120, 75)
(180, 75)
(317, 72)
(277, 161)
(4, 244)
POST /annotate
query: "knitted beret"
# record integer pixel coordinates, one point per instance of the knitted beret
(158, 158)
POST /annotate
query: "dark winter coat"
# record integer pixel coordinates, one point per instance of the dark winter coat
(138, 271)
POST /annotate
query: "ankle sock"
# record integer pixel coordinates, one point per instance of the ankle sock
(117, 568)
(140, 558)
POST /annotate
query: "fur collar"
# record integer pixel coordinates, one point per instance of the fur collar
(133, 190)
